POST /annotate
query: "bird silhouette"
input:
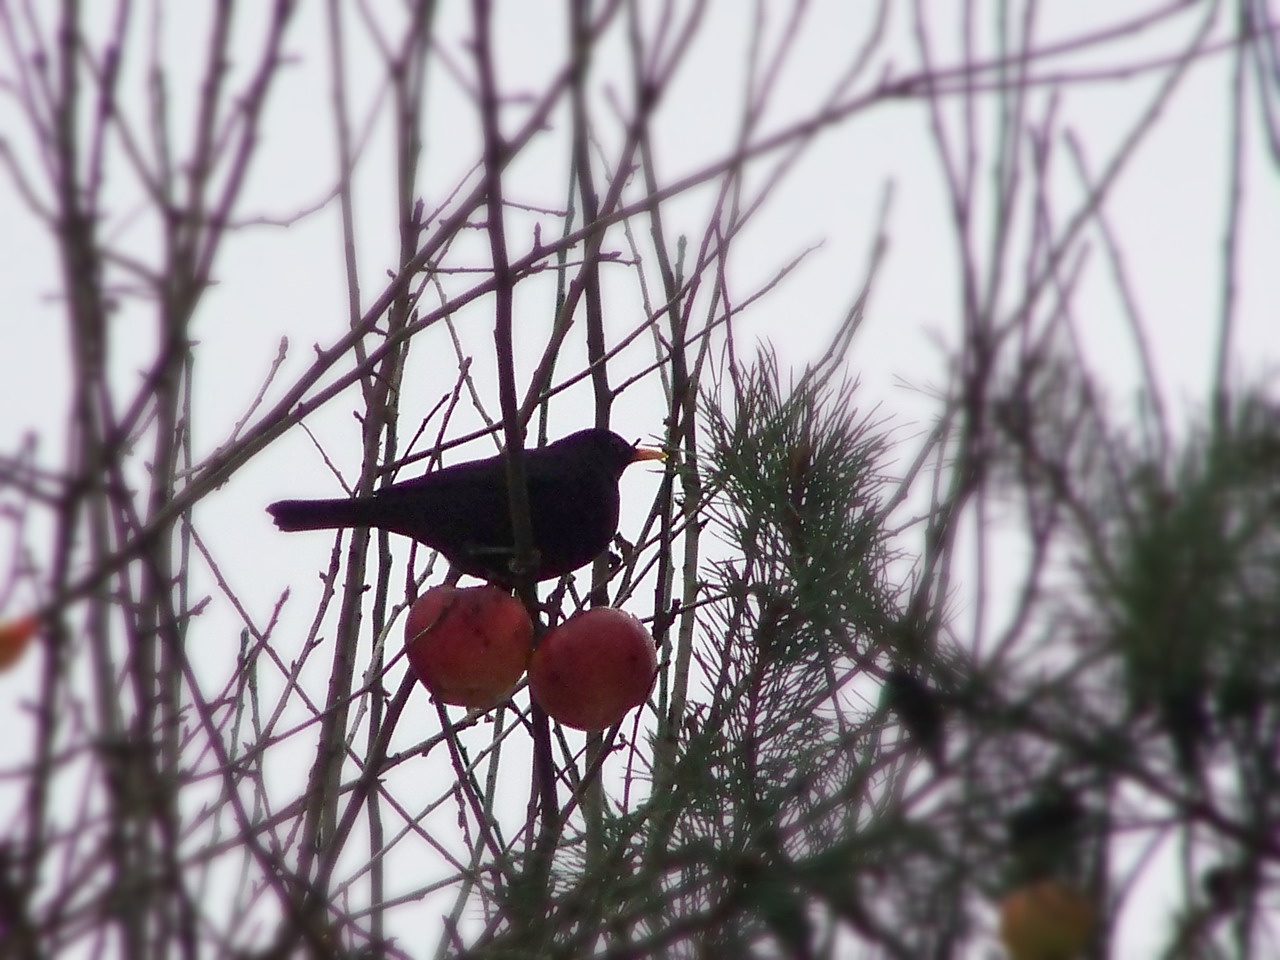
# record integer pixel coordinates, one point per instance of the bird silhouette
(463, 510)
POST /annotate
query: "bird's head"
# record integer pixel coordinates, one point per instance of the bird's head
(607, 449)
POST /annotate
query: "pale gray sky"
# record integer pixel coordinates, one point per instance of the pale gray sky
(1167, 211)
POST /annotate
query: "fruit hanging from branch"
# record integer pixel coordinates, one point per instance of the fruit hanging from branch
(469, 646)
(593, 669)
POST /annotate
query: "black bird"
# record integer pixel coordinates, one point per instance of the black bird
(463, 511)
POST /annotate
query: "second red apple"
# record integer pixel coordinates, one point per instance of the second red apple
(593, 669)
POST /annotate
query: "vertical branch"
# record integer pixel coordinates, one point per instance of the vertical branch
(346, 163)
(1231, 233)
(410, 75)
(82, 275)
(495, 157)
(579, 44)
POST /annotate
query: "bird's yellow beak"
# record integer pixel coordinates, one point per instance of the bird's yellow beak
(647, 453)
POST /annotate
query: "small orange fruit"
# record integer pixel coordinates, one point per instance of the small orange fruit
(15, 637)
(1045, 920)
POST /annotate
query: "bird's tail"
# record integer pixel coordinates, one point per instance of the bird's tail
(319, 514)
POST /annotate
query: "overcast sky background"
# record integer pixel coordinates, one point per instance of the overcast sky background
(1168, 211)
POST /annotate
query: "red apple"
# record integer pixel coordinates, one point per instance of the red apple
(468, 646)
(591, 670)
